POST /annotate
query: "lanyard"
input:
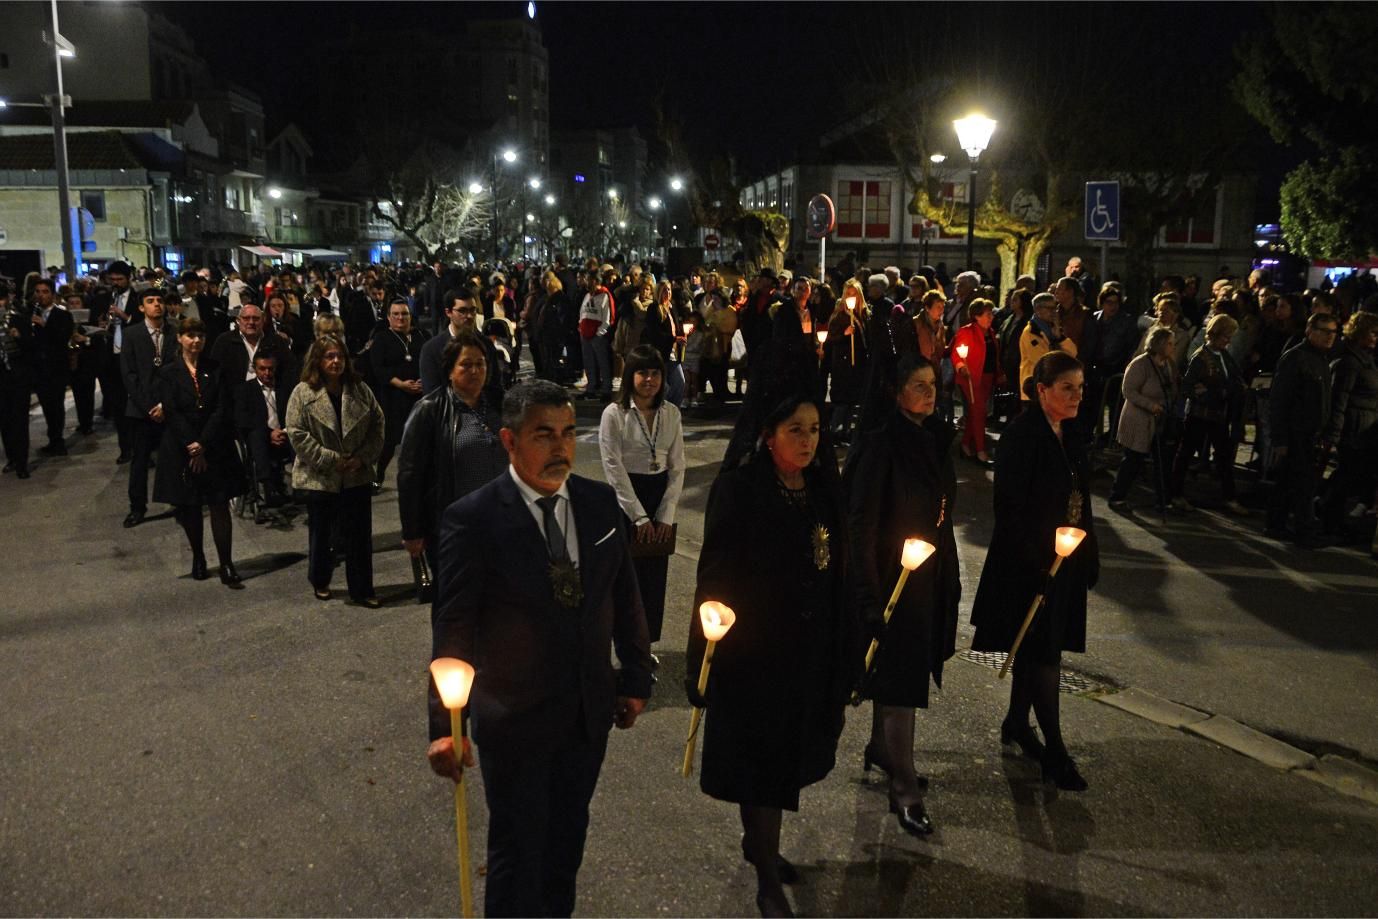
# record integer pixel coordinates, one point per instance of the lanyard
(650, 436)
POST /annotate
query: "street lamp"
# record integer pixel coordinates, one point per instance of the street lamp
(508, 156)
(677, 184)
(475, 187)
(57, 105)
(550, 200)
(937, 159)
(973, 134)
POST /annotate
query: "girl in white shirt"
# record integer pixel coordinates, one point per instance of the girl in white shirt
(641, 440)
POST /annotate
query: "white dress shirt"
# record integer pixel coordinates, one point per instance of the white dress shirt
(270, 397)
(253, 351)
(564, 513)
(625, 443)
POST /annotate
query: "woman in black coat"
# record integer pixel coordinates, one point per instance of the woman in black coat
(198, 465)
(1042, 482)
(396, 365)
(773, 552)
(901, 484)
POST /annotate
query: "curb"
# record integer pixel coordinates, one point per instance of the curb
(1334, 772)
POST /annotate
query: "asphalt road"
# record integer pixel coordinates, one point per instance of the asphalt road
(170, 747)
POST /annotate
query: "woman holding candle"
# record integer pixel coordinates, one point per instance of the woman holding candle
(772, 552)
(197, 462)
(901, 484)
(845, 354)
(1042, 482)
(976, 360)
(642, 445)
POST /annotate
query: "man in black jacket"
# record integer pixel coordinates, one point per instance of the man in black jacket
(1300, 408)
(235, 351)
(17, 350)
(53, 332)
(260, 413)
(147, 346)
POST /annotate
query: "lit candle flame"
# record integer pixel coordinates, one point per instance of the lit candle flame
(915, 553)
(454, 678)
(822, 335)
(716, 619)
(962, 351)
(851, 303)
(1067, 540)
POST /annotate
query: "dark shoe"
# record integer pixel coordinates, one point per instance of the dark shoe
(323, 593)
(1023, 737)
(1062, 772)
(122, 459)
(53, 449)
(913, 819)
(9, 467)
(370, 603)
(655, 663)
(229, 577)
(22, 474)
(134, 519)
(86, 430)
(198, 568)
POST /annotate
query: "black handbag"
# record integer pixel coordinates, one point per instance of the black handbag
(658, 549)
(421, 574)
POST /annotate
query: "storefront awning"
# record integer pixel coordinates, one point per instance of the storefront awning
(322, 253)
(265, 251)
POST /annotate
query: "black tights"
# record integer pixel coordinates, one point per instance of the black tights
(222, 531)
(1035, 685)
(761, 846)
(892, 731)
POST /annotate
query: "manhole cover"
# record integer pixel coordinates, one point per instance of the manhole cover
(1068, 681)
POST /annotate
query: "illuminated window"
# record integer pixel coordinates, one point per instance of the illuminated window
(863, 210)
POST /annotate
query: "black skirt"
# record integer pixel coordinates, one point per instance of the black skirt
(651, 573)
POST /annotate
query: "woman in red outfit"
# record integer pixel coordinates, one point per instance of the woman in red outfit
(977, 373)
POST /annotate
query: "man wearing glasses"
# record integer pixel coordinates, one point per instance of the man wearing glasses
(461, 309)
(1300, 407)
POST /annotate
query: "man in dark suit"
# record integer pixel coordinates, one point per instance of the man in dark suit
(53, 332)
(535, 582)
(147, 346)
(113, 309)
(260, 410)
(16, 379)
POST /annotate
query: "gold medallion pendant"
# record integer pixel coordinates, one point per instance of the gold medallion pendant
(822, 552)
(1074, 508)
(564, 580)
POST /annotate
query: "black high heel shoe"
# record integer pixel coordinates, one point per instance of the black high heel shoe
(1062, 772)
(772, 906)
(198, 568)
(783, 867)
(869, 759)
(229, 577)
(1023, 737)
(913, 819)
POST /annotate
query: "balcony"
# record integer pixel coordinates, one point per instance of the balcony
(294, 236)
(231, 223)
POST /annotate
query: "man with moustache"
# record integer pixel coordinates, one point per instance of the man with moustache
(535, 581)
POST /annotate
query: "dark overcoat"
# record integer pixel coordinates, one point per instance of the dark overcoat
(901, 484)
(1034, 478)
(395, 356)
(202, 418)
(781, 676)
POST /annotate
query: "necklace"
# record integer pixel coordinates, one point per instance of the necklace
(819, 537)
(406, 347)
(651, 435)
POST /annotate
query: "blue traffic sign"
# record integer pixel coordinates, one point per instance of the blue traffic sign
(1102, 211)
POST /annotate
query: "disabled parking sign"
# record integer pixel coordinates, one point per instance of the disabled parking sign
(1102, 211)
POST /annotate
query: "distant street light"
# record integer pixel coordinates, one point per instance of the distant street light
(275, 193)
(475, 187)
(509, 155)
(973, 135)
(677, 183)
(654, 204)
(937, 159)
(534, 182)
(550, 200)
(612, 194)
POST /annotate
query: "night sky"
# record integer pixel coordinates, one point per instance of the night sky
(754, 79)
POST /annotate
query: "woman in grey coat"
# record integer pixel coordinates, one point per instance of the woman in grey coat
(1149, 391)
(336, 428)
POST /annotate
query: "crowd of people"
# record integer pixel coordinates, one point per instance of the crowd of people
(301, 389)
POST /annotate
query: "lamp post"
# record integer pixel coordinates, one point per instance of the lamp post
(508, 156)
(973, 135)
(57, 105)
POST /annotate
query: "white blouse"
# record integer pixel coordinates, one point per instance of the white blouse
(626, 446)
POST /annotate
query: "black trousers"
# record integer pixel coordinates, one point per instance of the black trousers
(113, 401)
(144, 437)
(14, 419)
(538, 818)
(1197, 433)
(52, 396)
(268, 460)
(84, 387)
(352, 509)
(1132, 465)
(1294, 491)
(651, 571)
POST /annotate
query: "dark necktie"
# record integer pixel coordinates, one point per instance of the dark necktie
(554, 537)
